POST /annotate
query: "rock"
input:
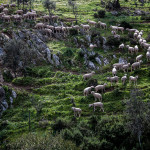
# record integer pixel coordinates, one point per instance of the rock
(2, 55)
(122, 60)
(88, 38)
(115, 13)
(92, 53)
(48, 52)
(138, 12)
(14, 94)
(56, 60)
(97, 59)
(3, 103)
(21, 35)
(105, 60)
(91, 65)
(11, 101)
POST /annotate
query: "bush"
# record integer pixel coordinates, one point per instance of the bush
(73, 32)
(111, 41)
(125, 25)
(68, 53)
(101, 13)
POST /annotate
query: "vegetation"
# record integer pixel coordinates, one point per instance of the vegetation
(41, 117)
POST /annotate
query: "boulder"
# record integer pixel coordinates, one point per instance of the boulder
(56, 60)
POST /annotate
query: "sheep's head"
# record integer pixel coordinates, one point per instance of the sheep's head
(141, 61)
(128, 64)
(137, 77)
(127, 46)
(108, 78)
(90, 105)
(127, 29)
(92, 86)
(93, 72)
(72, 108)
(105, 84)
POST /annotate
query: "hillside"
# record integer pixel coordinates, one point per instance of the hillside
(43, 60)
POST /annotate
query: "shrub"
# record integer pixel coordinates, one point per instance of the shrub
(111, 41)
(101, 13)
(73, 32)
(125, 25)
(68, 53)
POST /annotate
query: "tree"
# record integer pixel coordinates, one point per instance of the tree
(50, 6)
(18, 55)
(136, 114)
(73, 6)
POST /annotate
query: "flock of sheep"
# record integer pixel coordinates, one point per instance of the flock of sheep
(49, 29)
(116, 67)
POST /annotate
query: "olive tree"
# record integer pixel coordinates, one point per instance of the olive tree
(50, 6)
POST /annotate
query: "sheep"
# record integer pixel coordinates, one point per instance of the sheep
(138, 58)
(58, 29)
(140, 41)
(145, 45)
(148, 55)
(97, 104)
(46, 18)
(121, 46)
(39, 26)
(123, 79)
(92, 23)
(126, 67)
(136, 65)
(87, 90)
(135, 35)
(131, 30)
(136, 49)
(121, 29)
(114, 28)
(88, 75)
(77, 111)
(118, 65)
(97, 96)
(85, 27)
(48, 32)
(100, 87)
(133, 79)
(19, 12)
(92, 46)
(113, 79)
(130, 49)
(139, 37)
(102, 25)
(5, 10)
(114, 71)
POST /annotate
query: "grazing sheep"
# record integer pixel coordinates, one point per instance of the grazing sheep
(133, 79)
(85, 27)
(87, 90)
(113, 79)
(40, 26)
(145, 45)
(135, 35)
(114, 71)
(92, 23)
(102, 25)
(139, 57)
(88, 75)
(136, 49)
(19, 12)
(131, 30)
(100, 87)
(97, 104)
(148, 55)
(139, 37)
(126, 67)
(97, 96)
(92, 46)
(114, 28)
(130, 49)
(123, 79)
(77, 111)
(121, 46)
(118, 65)
(136, 65)
(5, 10)
(121, 29)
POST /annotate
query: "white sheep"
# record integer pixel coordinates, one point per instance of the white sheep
(131, 30)
(114, 28)
(123, 79)
(136, 65)
(102, 25)
(121, 46)
(139, 57)
(97, 96)
(130, 49)
(87, 90)
(113, 32)
(125, 67)
(118, 65)
(148, 55)
(114, 71)
(136, 49)
(133, 79)
(113, 79)
(92, 46)
(77, 111)
(121, 29)
(88, 75)
(100, 87)
(97, 104)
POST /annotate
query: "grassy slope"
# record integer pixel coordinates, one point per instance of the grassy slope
(56, 88)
